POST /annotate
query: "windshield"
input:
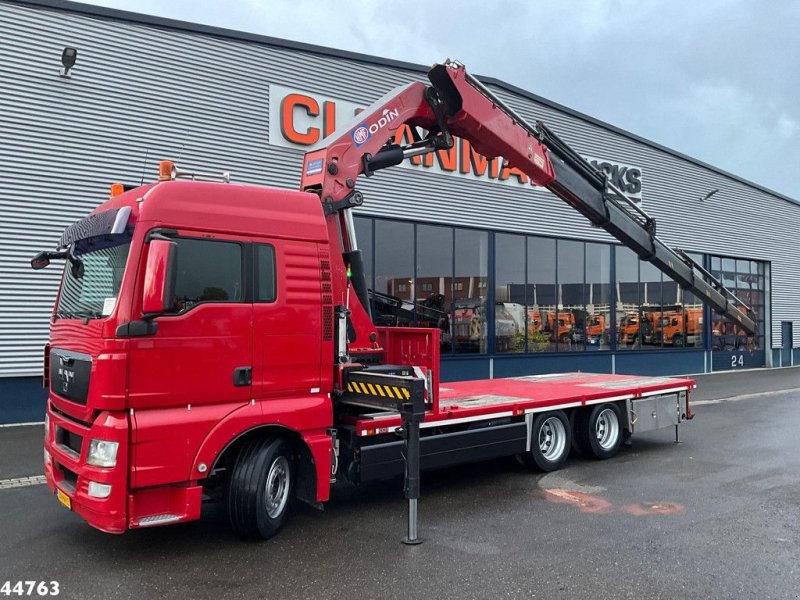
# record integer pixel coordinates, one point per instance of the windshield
(94, 295)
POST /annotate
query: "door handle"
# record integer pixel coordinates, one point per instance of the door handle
(242, 376)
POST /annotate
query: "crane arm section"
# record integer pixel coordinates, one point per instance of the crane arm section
(457, 104)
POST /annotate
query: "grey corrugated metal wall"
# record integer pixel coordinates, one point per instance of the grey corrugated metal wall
(143, 91)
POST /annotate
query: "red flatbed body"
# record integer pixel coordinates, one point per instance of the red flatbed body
(471, 401)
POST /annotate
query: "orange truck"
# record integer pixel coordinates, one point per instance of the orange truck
(680, 328)
(596, 332)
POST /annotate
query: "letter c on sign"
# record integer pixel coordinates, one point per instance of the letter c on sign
(311, 106)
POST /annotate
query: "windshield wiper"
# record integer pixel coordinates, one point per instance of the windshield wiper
(78, 314)
(88, 314)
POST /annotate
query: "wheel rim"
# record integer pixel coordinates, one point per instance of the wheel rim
(277, 487)
(607, 428)
(552, 438)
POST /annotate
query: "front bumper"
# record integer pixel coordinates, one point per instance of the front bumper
(66, 470)
(67, 444)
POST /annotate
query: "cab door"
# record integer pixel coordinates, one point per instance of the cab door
(196, 366)
(287, 316)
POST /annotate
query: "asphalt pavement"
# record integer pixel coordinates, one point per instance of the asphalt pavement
(717, 516)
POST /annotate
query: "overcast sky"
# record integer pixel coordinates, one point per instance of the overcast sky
(718, 80)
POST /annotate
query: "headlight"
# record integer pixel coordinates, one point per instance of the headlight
(102, 453)
(46, 426)
(99, 490)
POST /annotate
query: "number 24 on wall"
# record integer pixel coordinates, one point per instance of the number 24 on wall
(737, 360)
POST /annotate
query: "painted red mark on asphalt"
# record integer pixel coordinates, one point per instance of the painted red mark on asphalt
(584, 502)
(654, 508)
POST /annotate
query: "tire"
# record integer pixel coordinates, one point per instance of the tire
(551, 439)
(598, 431)
(260, 488)
(677, 340)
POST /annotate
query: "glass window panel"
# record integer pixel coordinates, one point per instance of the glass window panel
(265, 273)
(94, 293)
(597, 326)
(207, 271)
(394, 272)
(435, 280)
(748, 285)
(650, 292)
(571, 310)
(509, 311)
(627, 268)
(364, 237)
(541, 293)
(470, 291)
(692, 329)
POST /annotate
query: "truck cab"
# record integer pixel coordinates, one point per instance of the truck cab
(145, 405)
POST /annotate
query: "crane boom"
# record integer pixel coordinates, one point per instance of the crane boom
(457, 104)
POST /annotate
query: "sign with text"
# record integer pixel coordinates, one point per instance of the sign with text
(299, 119)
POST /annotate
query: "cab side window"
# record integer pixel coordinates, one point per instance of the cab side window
(207, 271)
(265, 273)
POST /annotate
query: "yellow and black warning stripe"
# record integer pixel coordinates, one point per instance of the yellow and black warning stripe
(375, 389)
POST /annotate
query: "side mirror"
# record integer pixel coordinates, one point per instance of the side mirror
(40, 261)
(159, 277)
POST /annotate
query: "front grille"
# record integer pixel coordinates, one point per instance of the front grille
(72, 442)
(61, 413)
(69, 374)
(69, 479)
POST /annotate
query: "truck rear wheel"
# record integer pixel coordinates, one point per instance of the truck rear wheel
(550, 441)
(260, 488)
(598, 431)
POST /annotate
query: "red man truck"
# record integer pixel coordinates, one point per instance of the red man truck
(216, 340)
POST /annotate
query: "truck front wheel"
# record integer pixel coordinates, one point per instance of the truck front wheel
(598, 431)
(260, 488)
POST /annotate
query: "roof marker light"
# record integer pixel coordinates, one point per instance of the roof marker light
(166, 170)
(116, 190)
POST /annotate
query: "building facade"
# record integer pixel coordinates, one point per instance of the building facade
(516, 281)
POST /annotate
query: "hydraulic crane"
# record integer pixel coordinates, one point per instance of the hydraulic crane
(457, 104)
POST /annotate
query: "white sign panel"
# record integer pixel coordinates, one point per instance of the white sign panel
(300, 119)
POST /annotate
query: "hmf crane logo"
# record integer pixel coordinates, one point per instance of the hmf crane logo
(301, 119)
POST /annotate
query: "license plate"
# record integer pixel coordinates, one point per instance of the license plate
(64, 499)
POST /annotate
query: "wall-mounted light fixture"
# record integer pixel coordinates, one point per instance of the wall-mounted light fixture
(708, 195)
(68, 58)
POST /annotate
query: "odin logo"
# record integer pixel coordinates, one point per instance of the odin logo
(364, 132)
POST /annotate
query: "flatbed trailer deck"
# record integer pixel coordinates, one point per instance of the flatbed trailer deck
(479, 420)
(473, 401)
